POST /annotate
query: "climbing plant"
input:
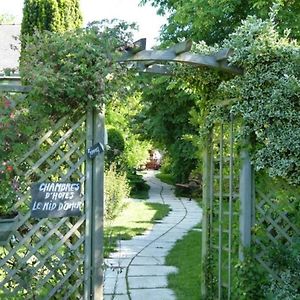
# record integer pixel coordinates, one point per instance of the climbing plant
(75, 68)
(267, 95)
(67, 72)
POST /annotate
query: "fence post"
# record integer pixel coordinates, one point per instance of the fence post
(88, 191)
(246, 201)
(97, 208)
(206, 216)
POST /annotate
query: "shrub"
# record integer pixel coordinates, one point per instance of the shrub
(116, 145)
(286, 263)
(116, 191)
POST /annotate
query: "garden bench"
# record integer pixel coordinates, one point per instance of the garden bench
(192, 185)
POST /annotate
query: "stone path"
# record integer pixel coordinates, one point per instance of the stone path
(137, 270)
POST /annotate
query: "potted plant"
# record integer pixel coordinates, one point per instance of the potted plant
(8, 196)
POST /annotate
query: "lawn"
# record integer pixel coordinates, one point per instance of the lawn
(186, 256)
(137, 217)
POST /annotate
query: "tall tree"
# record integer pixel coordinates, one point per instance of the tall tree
(212, 21)
(51, 15)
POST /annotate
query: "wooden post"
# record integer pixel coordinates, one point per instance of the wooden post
(97, 209)
(206, 194)
(88, 191)
(246, 201)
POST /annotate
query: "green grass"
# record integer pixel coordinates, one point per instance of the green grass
(186, 256)
(139, 187)
(166, 178)
(142, 194)
(137, 217)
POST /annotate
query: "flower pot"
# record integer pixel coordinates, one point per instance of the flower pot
(7, 228)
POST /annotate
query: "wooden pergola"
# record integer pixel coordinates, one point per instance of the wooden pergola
(153, 61)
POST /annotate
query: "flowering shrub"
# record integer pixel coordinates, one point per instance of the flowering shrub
(69, 70)
(8, 188)
(8, 136)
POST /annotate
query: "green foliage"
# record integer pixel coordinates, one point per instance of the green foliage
(166, 178)
(139, 187)
(212, 21)
(8, 188)
(69, 70)
(116, 190)
(11, 144)
(121, 114)
(253, 282)
(116, 145)
(285, 262)
(50, 15)
(185, 256)
(136, 151)
(250, 278)
(165, 120)
(267, 96)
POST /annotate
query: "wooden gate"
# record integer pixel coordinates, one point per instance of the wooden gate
(58, 258)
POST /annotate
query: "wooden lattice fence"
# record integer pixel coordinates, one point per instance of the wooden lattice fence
(275, 223)
(242, 210)
(55, 258)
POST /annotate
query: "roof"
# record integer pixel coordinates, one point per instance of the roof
(9, 46)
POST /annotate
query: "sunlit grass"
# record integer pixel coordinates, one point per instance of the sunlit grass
(137, 217)
(186, 256)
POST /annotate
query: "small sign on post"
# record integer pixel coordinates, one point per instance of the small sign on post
(55, 199)
(96, 149)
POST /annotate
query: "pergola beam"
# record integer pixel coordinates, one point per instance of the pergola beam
(179, 53)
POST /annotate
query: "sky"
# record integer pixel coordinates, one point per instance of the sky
(128, 10)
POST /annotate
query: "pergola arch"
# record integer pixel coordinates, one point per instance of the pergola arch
(153, 61)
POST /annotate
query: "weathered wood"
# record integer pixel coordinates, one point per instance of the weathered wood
(181, 47)
(207, 195)
(97, 209)
(223, 54)
(246, 199)
(50, 248)
(162, 56)
(137, 46)
(153, 69)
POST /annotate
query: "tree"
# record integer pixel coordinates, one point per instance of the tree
(51, 15)
(165, 120)
(212, 21)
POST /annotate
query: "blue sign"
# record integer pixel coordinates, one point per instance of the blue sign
(96, 149)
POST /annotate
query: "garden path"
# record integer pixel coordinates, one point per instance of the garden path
(138, 271)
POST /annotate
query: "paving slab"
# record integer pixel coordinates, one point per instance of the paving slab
(151, 270)
(113, 285)
(152, 294)
(116, 297)
(147, 282)
(148, 260)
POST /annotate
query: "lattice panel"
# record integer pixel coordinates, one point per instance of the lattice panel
(224, 204)
(45, 257)
(275, 225)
